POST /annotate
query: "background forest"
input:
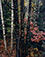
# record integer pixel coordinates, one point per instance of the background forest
(28, 35)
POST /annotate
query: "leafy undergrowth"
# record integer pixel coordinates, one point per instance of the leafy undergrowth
(37, 35)
(6, 54)
(32, 52)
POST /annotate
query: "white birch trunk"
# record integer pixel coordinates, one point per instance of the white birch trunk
(3, 26)
(12, 25)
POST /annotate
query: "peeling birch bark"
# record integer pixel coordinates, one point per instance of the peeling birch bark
(12, 15)
(3, 26)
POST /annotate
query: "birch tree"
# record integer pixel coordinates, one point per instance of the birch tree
(12, 25)
(3, 26)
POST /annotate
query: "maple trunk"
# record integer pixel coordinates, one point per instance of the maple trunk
(22, 29)
(26, 4)
(28, 29)
(19, 16)
(16, 27)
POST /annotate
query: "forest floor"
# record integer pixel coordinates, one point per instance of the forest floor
(31, 53)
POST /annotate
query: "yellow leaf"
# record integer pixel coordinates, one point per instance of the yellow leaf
(33, 4)
(32, 54)
(36, 49)
(41, 4)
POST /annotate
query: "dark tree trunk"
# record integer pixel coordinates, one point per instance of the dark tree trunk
(28, 30)
(22, 28)
(16, 27)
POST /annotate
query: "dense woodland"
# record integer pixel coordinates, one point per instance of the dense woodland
(22, 28)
